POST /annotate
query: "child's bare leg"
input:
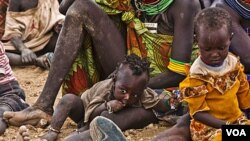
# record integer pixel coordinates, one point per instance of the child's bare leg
(3, 124)
(69, 106)
(23, 134)
(179, 132)
(133, 121)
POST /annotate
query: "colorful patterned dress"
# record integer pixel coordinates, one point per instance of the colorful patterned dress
(140, 40)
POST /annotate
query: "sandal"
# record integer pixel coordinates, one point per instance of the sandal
(45, 60)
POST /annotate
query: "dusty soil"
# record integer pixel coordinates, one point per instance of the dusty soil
(32, 80)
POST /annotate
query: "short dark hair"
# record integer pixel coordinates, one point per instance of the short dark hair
(137, 64)
(213, 18)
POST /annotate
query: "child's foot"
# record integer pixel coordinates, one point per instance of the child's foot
(30, 115)
(103, 129)
(3, 126)
(23, 134)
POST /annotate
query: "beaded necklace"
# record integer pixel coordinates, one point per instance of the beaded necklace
(153, 8)
(242, 6)
(241, 9)
(246, 2)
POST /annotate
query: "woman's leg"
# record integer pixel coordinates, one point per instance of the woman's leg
(179, 132)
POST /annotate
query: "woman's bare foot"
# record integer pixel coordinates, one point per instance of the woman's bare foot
(23, 134)
(30, 115)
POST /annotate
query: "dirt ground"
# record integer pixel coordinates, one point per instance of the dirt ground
(32, 80)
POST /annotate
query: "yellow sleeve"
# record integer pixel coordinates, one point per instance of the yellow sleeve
(243, 93)
(194, 92)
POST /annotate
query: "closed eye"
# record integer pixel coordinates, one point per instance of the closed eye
(222, 48)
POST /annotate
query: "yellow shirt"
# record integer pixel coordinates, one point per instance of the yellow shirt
(220, 91)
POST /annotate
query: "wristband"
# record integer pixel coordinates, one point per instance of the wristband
(228, 123)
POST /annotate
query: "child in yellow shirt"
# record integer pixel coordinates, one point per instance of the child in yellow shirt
(216, 88)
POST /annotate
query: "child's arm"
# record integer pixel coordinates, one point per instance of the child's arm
(98, 110)
(110, 106)
(208, 119)
(243, 93)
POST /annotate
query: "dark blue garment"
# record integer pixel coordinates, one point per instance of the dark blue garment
(239, 8)
(13, 96)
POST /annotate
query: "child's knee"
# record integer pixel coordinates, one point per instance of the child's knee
(68, 99)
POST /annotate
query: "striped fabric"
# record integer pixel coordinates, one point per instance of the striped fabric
(6, 74)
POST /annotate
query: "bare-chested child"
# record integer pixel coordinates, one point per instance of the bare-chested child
(31, 31)
(125, 99)
(12, 97)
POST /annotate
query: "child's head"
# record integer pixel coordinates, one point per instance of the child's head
(213, 29)
(131, 79)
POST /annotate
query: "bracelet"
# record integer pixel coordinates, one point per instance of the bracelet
(109, 108)
(54, 130)
(228, 123)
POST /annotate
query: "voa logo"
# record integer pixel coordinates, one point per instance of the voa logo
(236, 132)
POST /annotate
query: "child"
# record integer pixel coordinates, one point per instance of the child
(125, 99)
(11, 95)
(216, 88)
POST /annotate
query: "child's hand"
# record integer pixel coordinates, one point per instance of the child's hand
(115, 105)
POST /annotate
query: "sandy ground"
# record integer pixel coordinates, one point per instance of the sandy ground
(32, 80)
